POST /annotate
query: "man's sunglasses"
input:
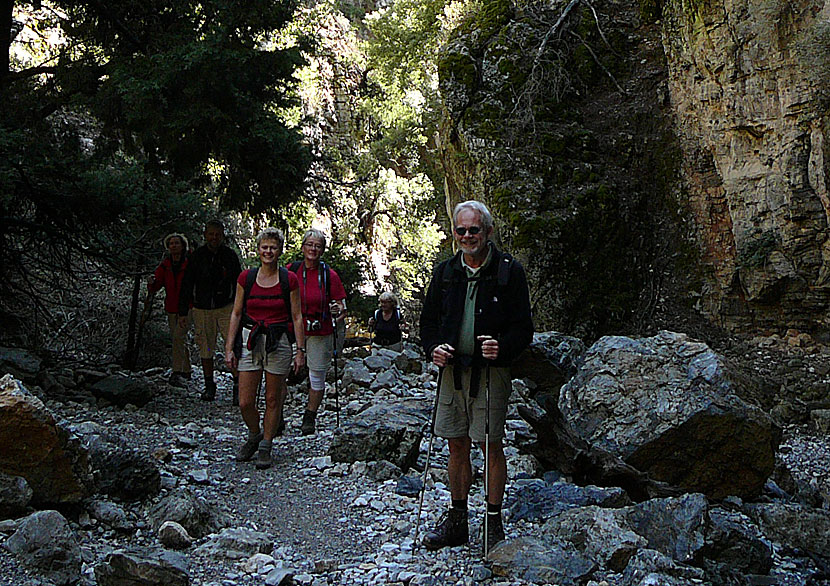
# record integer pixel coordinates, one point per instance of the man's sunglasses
(473, 230)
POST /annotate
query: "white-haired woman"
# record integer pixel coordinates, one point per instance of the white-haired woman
(265, 321)
(323, 300)
(388, 325)
(169, 274)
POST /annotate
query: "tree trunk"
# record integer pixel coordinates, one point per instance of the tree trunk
(131, 354)
(559, 447)
(6, 12)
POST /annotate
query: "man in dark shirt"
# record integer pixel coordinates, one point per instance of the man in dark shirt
(475, 321)
(210, 284)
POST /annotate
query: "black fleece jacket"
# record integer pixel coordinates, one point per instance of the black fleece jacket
(501, 312)
(210, 279)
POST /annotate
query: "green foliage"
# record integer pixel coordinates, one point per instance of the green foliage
(148, 117)
(756, 247)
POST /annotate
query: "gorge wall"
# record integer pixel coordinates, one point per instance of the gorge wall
(641, 157)
(748, 86)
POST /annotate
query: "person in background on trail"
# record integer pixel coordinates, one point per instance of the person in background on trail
(476, 316)
(209, 285)
(322, 297)
(260, 339)
(387, 325)
(169, 274)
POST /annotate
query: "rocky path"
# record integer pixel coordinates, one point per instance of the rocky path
(330, 523)
(337, 523)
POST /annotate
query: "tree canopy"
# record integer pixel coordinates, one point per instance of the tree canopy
(123, 121)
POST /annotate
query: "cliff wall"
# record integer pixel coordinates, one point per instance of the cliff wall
(748, 86)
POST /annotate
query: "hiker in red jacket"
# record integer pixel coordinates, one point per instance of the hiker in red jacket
(169, 275)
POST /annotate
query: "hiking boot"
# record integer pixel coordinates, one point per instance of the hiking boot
(308, 425)
(280, 427)
(249, 448)
(209, 394)
(235, 400)
(451, 530)
(263, 458)
(495, 530)
(176, 380)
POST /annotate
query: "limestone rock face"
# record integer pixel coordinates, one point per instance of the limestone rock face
(748, 86)
(666, 406)
(39, 449)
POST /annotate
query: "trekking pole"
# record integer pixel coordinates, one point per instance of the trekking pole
(429, 455)
(336, 378)
(486, 460)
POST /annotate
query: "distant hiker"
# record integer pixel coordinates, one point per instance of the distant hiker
(209, 285)
(169, 274)
(476, 315)
(322, 297)
(259, 338)
(387, 325)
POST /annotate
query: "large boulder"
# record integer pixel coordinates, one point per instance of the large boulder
(15, 495)
(143, 566)
(122, 390)
(195, 514)
(118, 469)
(550, 360)
(794, 525)
(44, 542)
(39, 449)
(382, 432)
(20, 363)
(666, 405)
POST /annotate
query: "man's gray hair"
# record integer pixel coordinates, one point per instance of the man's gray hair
(478, 207)
(271, 234)
(315, 233)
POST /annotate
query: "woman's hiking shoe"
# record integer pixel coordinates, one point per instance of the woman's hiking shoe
(249, 448)
(177, 380)
(451, 530)
(495, 530)
(209, 394)
(308, 426)
(263, 458)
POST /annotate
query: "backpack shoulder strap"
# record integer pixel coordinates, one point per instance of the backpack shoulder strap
(285, 288)
(505, 265)
(250, 279)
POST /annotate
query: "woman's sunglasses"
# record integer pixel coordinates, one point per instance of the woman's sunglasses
(473, 230)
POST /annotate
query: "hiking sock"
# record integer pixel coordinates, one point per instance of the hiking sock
(459, 504)
(493, 509)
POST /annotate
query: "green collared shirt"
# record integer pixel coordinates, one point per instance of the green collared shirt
(467, 333)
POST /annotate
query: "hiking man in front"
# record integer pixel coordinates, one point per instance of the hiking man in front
(476, 316)
(210, 283)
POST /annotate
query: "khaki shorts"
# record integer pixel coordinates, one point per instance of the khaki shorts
(319, 351)
(461, 416)
(276, 362)
(207, 323)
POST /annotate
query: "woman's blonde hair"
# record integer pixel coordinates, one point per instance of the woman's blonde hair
(271, 234)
